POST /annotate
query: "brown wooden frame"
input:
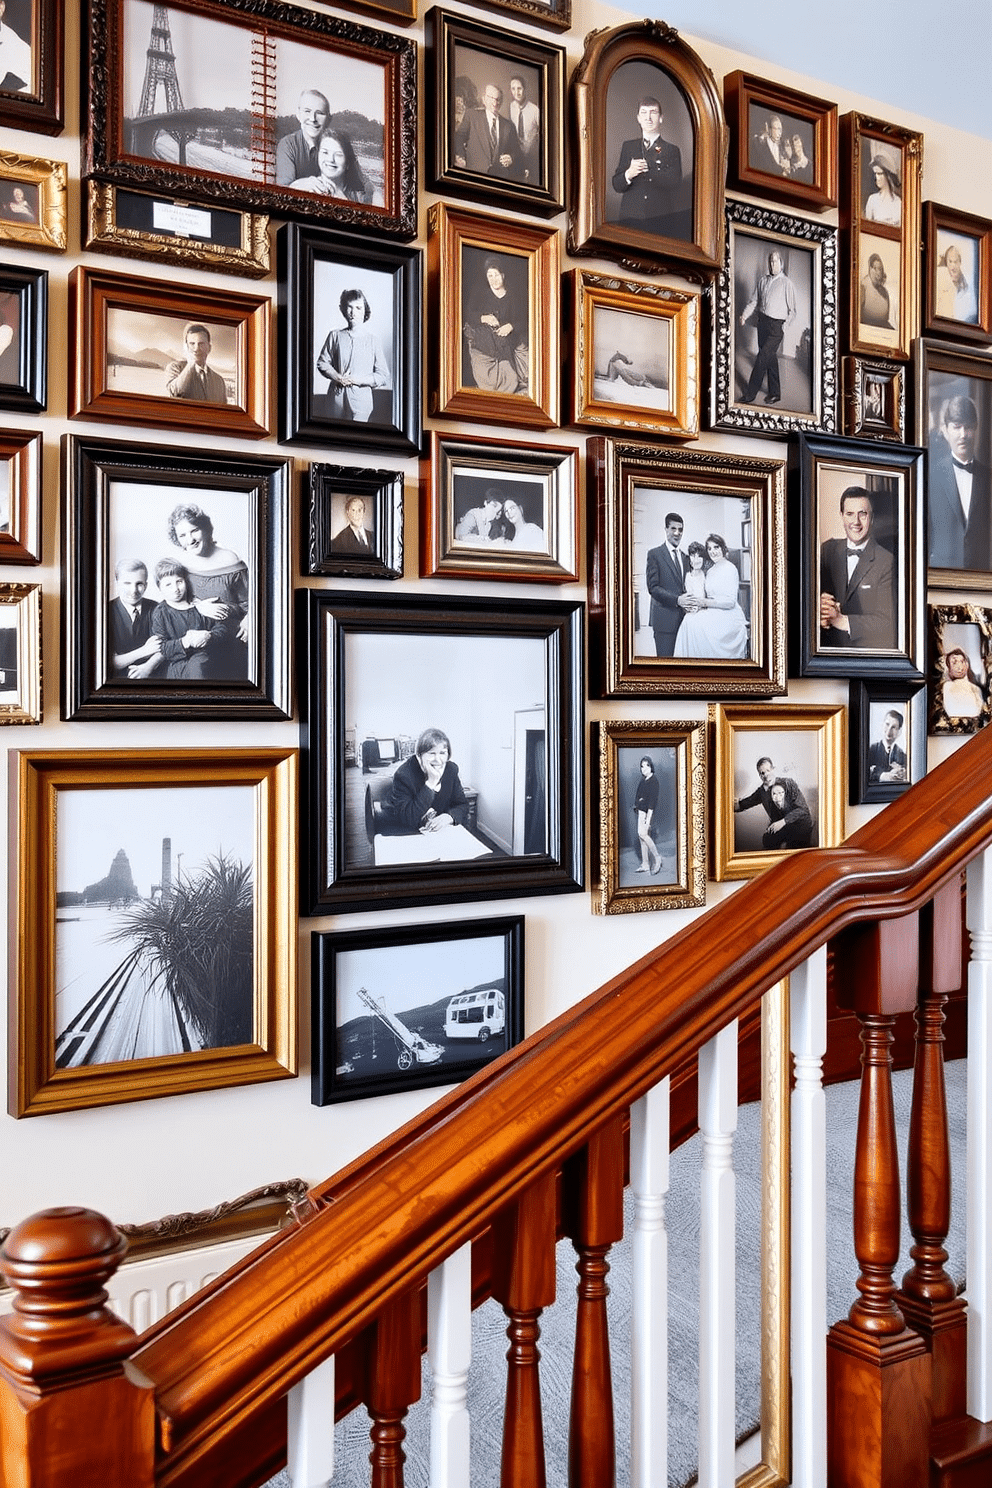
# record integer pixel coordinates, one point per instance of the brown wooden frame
(554, 13)
(946, 219)
(93, 293)
(48, 178)
(859, 421)
(42, 112)
(106, 231)
(740, 91)
(21, 451)
(940, 722)
(25, 599)
(866, 237)
(967, 372)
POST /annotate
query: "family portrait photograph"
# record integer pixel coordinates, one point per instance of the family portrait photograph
(956, 424)
(632, 356)
(862, 534)
(353, 340)
(496, 128)
(164, 356)
(780, 144)
(773, 328)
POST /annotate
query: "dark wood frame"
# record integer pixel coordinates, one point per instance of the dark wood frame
(589, 232)
(947, 219)
(105, 231)
(329, 1082)
(930, 357)
(447, 31)
(383, 489)
(326, 619)
(107, 157)
(615, 469)
(857, 130)
(807, 456)
(740, 91)
(25, 599)
(42, 112)
(93, 292)
(48, 178)
(89, 466)
(440, 557)
(21, 450)
(298, 249)
(912, 702)
(30, 393)
(400, 12)
(859, 423)
(557, 14)
(940, 723)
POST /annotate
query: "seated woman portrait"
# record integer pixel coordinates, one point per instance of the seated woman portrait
(426, 793)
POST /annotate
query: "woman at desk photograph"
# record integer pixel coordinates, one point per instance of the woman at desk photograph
(426, 793)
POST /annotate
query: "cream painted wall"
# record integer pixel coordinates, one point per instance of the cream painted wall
(139, 1161)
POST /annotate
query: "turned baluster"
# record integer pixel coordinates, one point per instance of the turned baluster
(393, 1384)
(69, 1412)
(979, 1263)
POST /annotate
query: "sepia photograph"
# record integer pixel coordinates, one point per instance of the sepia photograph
(19, 203)
(632, 358)
(158, 356)
(774, 332)
(954, 412)
(878, 290)
(780, 144)
(958, 289)
(960, 668)
(783, 143)
(650, 146)
(496, 127)
(956, 277)
(881, 181)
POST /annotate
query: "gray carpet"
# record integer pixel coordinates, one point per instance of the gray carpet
(682, 1217)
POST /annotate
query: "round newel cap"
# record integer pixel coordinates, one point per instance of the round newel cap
(59, 1235)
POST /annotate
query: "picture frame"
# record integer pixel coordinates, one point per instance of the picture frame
(332, 496)
(556, 14)
(370, 179)
(663, 215)
(349, 384)
(23, 339)
(806, 748)
(880, 215)
(795, 163)
(734, 647)
(136, 516)
(635, 360)
(874, 399)
(479, 268)
(960, 672)
(164, 229)
(445, 1001)
(383, 677)
(465, 530)
(860, 616)
(212, 832)
(400, 12)
(524, 78)
(38, 103)
(32, 201)
(796, 363)
(20, 653)
(954, 421)
(141, 349)
(652, 806)
(20, 495)
(957, 248)
(887, 736)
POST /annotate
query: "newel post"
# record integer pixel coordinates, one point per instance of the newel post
(71, 1409)
(878, 1370)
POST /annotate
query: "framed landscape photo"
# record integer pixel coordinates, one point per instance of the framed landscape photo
(413, 1006)
(635, 355)
(350, 347)
(311, 115)
(32, 200)
(960, 675)
(176, 576)
(687, 572)
(504, 510)
(874, 399)
(354, 526)
(649, 850)
(880, 212)
(783, 144)
(954, 419)
(887, 734)
(774, 363)
(155, 924)
(23, 339)
(138, 224)
(33, 80)
(780, 784)
(958, 283)
(149, 351)
(443, 749)
(20, 495)
(20, 653)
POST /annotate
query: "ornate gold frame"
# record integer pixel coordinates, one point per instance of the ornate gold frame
(857, 133)
(26, 602)
(104, 233)
(49, 176)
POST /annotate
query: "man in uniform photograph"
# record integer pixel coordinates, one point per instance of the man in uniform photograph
(648, 176)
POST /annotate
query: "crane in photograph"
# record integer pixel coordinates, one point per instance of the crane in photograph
(411, 1046)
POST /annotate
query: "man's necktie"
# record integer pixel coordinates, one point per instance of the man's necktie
(520, 125)
(494, 133)
(135, 618)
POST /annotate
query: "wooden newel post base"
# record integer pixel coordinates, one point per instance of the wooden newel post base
(71, 1410)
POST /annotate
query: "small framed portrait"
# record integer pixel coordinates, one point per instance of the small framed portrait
(635, 355)
(649, 850)
(880, 210)
(32, 78)
(879, 300)
(874, 399)
(20, 495)
(954, 417)
(20, 653)
(444, 758)
(155, 914)
(960, 679)
(779, 784)
(496, 98)
(958, 285)
(783, 144)
(858, 579)
(554, 13)
(775, 324)
(413, 1006)
(32, 198)
(135, 224)
(499, 511)
(23, 339)
(175, 599)
(653, 150)
(354, 527)
(887, 734)
(493, 344)
(349, 341)
(687, 572)
(147, 351)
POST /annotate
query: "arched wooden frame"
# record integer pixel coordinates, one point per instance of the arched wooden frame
(658, 44)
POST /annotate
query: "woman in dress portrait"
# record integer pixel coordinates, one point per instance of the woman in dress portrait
(218, 585)
(496, 330)
(714, 624)
(339, 173)
(885, 204)
(352, 361)
(645, 806)
(426, 793)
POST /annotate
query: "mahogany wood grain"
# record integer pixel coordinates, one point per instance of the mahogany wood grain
(393, 1384)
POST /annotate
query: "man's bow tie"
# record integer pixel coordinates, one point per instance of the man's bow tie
(960, 465)
(854, 552)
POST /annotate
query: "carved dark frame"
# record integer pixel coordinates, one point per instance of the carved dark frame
(740, 91)
(912, 702)
(119, 222)
(42, 112)
(29, 394)
(557, 14)
(859, 423)
(383, 490)
(942, 724)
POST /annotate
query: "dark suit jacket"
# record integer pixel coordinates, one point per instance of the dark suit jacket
(479, 150)
(122, 637)
(665, 584)
(868, 598)
(952, 544)
(653, 196)
(880, 759)
(345, 541)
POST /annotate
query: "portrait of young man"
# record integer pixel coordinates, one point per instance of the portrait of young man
(650, 153)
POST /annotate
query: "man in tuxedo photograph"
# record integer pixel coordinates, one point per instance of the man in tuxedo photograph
(666, 570)
(959, 491)
(648, 177)
(857, 581)
(355, 537)
(492, 145)
(887, 758)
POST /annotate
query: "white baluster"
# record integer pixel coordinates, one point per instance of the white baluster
(449, 1348)
(808, 1017)
(310, 1432)
(717, 1299)
(649, 1148)
(979, 1245)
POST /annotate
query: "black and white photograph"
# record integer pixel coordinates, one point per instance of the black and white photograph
(19, 203)
(647, 828)
(353, 522)
(23, 338)
(780, 144)
(874, 399)
(413, 1006)
(496, 127)
(632, 358)
(960, 677)
(495, 321)
(353, 318)
(18, 65)
(776, 791)
(878, 290)
(162, 356)
(9, 671)
(650, 152)
(955, 419)
(862, 533)
(956, 283)
(881, 182)
(774, 335)
(494, 510)
(887, 723)
(20, 653)
(10, 338)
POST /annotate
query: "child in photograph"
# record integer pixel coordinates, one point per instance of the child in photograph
(134, 652)
(186, 635)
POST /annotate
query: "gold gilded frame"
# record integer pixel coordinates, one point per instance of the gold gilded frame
(49, 177)
(20, 451)
(26, 602)
(105, 234)
(36, 1086)
(900, 242)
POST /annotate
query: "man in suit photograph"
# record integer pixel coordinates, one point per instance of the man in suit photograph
(648, 177)
(193, 379)
(666, 570)
(886, 758)
(857, 581)
(491, 142)
(768, 153)
(959, 491)
(525, 116)
(134, 652)
(355, 537)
